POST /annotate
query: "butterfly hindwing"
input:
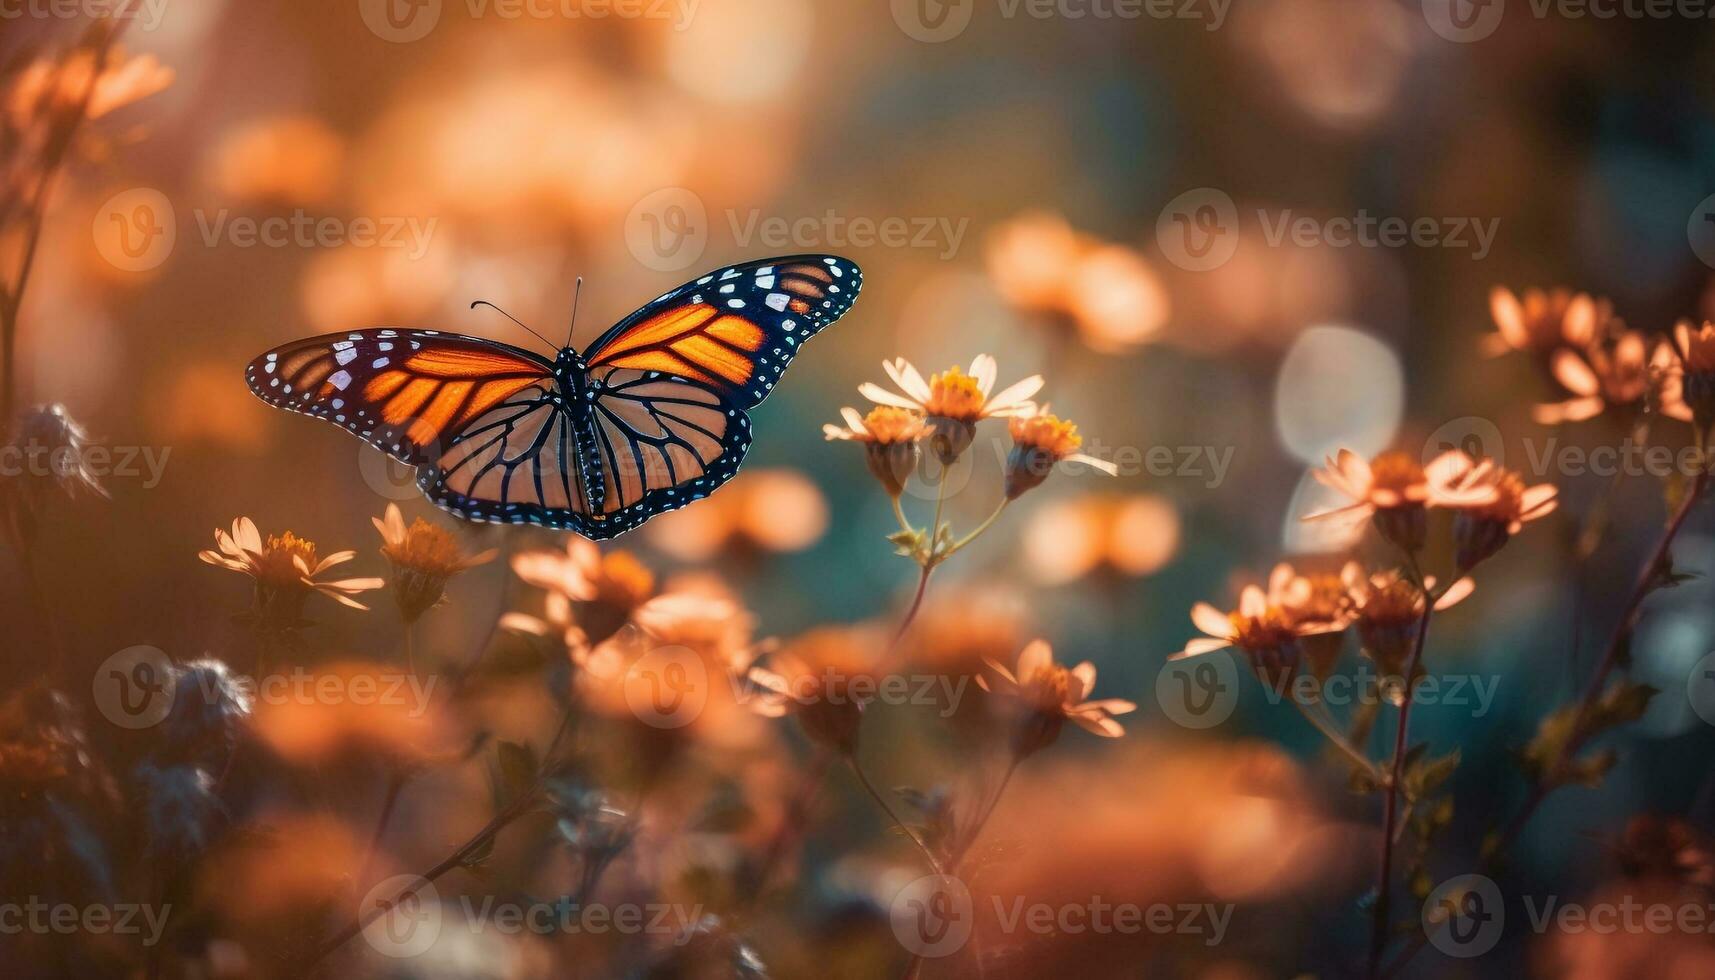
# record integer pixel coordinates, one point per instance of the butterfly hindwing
(734, 330)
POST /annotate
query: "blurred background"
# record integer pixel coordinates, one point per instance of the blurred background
(1101, 198)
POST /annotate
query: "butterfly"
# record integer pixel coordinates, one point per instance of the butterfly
(648, 418)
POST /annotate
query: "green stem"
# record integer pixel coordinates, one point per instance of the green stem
(881, 801)
(980, 528)
(1339, 741)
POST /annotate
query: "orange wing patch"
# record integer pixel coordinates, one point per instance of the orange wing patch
(692, 342)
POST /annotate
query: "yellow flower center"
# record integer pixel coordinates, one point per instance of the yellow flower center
(277, 567)
(955, 395)
(1047, 688)
(426, 548)
(888, 425)
(1046, 433)
(1397, 474)
(1269, 631)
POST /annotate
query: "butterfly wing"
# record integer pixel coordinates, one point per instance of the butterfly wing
(733, 331)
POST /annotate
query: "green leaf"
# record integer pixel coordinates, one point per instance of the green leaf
(1423, 777)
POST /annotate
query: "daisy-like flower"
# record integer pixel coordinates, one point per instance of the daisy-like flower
(285, 569)
(1262, 627)
(1389, 606)
(889, 436)
(1542, 322)
(824, 678)
(953, 401)
(1039, 442)
(1048, 695)
(1686, 373)
(1609, 375)
(589, 595)
(1392, 489)
(424, 558)
(1317, 605)
(1492, 504)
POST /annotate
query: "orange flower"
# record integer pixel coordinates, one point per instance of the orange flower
(1106, 292)
(424, 558)
(285, 570)
(1492, 503)
(953, 401)
(1049, 695)
(1540, 323)
(1686, 373)
(1100, 534)
(1040, 441)
(1612, 374)
(1264, 627)
(606, 589)
(824, 678)
(1389, 606)
(766, 510)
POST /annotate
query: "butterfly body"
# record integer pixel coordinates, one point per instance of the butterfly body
(648, 418)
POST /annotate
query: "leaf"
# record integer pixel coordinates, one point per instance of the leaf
(1423, 777)
(1591, 769)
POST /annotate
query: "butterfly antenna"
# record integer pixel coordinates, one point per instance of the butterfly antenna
(484, 302)
(576, 292)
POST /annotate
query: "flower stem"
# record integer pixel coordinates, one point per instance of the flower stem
(881, 801)
(980, 528)
(1390, 810)
(1339, 741)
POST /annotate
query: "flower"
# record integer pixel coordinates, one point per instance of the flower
(1318, 606)
(1264, 626)
(424, 557)
(823, 678)
(53, 450)
(1540, 323)
(1049, 695)
(1108, 535)
(953, 401)
(286, 570)
(1612, 374)
(1039, 441)
(1104, 292)
(1686, 368)
(1389, 608)
(606, 590)
(1492, 504)
(889, 436)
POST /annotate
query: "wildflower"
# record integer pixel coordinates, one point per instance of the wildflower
(1540, 323)
(824, 679)
(1039, 441)
(1389, 607)
(1262, 627)
(1391, 489)
(52, 451)
(1687, 372)
(1492, 504)
(603, 590)
(953, 401)
(285, 570)
(1049, 695)
(424, 558)
(761, 511)
(716, 627)
(889, 436)
(1613, 374)
(1106, 293)
(1318, 606)
(1107, 535)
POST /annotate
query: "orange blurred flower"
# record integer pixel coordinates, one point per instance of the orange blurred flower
(310, 717)
(1046, 695)
(1129, 535)
(765, 510)
(1107, 293)
(1541, 323)
(1388, 607)
(824, 678)
(589, 595)
(1492, 503)
(1266, 626)
(289, 160)
(424, 558)
(1611, 374)
(285, 569)
(1685, 370)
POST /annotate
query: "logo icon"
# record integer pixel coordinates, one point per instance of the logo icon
(933, 21)
(1464, 21)
(1477, 436)
(134, 687)
(1701, 231)
(1199, 229)
(400, 21)
(407, 916)
(667, 687)
(1198, 692)
(1464, 916)
(135, 230)
(1700, 689)
(932, 916)
(668, 230)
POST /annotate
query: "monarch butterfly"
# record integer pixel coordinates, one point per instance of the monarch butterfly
(648, 418)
